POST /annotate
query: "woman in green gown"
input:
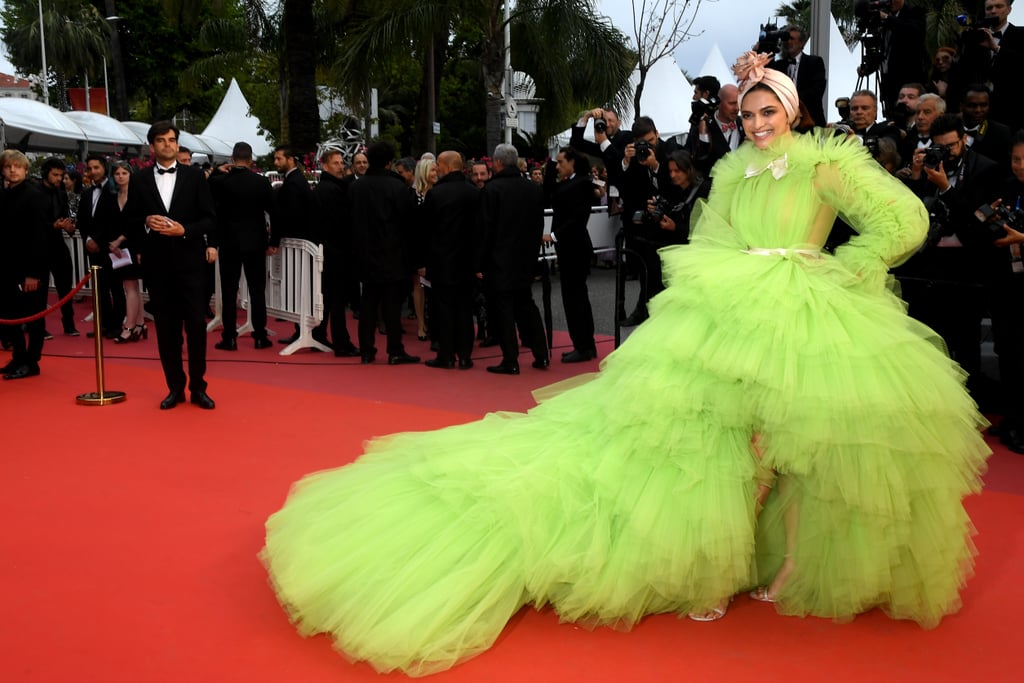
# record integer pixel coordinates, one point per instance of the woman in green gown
(637, 491)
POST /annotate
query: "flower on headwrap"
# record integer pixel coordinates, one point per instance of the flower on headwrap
(750, 70)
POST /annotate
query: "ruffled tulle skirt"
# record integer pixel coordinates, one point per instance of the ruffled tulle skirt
(633, 492)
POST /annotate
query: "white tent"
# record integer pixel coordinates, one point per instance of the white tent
(32, 125)
(715, 65)
(104, 134)
(666, 98)
(233, 123)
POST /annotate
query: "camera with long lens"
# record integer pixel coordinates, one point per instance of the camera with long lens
(938, 219)
(704, 108)
(654, 213)
(770, 38)
(869, 33)
(600, 126)
(643, 150)
(994, 218)
(871, 142)
(970, 28)
(935, 155)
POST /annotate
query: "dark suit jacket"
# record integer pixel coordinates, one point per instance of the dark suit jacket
(449, 214)
(994, 140)
(571, 201)
(810, 84)
(1003, 71)
(295, 210)
(88, 225)
(242, 199)
(639, 181)
(705, 154)
(908, 56)
(611, 155)
(512, 227)
(24, 214)
(332, 213)
(191, 205)
(383, 210)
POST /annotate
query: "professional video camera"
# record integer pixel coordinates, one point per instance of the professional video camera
(935, 155)
(970, 32)
(996, 217)
(869, 32)
(770, 38)
(704, 108)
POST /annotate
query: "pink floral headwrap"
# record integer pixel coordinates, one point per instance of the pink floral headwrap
(750, 70)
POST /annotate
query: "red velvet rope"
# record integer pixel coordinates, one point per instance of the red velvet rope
(51, 309)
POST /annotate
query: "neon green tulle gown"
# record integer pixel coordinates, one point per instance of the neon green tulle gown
(634, 493)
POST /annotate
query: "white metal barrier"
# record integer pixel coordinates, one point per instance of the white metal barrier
(601, 226)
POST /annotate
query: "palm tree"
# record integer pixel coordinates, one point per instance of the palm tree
(76, 39)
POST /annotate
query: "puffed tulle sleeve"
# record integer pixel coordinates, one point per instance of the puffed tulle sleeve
(890, 220)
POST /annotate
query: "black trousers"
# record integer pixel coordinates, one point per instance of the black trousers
(451, 308)
(231, 266)
(954, 310)
(387, 297)
(179, 302)
(573, 270)
(110, 292)
(336, 288)
(62, 270)
(506, 310)
(26, 341)
(1006, 307)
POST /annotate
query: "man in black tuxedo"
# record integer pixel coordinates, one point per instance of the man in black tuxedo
(864, 115)
(929, 107)
(383, 211)
(985, 136)
(450, 212)
(242, 200)
(712, 137)
(609, 140)
(646, 173)
(571, 199)
(996, 55)
(942, 282)
(112, 300)
(294, 206)
(332, 217)
(171, 208)
(512, 227)
(61, 267)
(807, 71)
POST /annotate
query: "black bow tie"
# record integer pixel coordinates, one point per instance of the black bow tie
(161, 171)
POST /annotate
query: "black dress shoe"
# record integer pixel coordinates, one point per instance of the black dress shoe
(438, 363)
(577, 357)
(403, 359)
(1012, 437)
(347, 352)
(465, 363)
(203, 400)
(47, 335)
(503, 369)
(70, 331)
(22, 371)
(262, 343)
(322, 340)
(367, 359)
(634, 319)
(227, 345)
(172, 400)
(541, 364)
(289, 340)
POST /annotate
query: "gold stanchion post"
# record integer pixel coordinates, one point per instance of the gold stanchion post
(101, 397)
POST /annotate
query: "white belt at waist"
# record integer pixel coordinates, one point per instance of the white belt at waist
(757, 251)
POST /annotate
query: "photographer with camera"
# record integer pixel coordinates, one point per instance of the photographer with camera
(609, 139)
(905, 111)
(993, 52)
(714, 128)
(929, 108)
(985, 136)
(942, 282)
(893, 35)
(807, 71)
(1003, 222)
(645, 175)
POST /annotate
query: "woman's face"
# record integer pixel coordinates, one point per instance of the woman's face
(1017, 162)
(680, 178)
(764, 118)
(69, 183)
(432, 175)
(121, 177)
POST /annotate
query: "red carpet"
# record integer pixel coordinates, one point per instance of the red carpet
(129, 549)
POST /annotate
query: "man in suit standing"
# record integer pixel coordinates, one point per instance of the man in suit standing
(712, 137)
(112, 300)
(997, 57)
(172, 210)
(382, 210)
(512, 223)
(293, 207)
(450, 213)
(333, 220)
(609, 140)
(985, 136)
(905, 55)
(807, 71)
(242, 200)
(571, 199)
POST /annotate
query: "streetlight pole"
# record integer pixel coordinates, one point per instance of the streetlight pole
(42, 45)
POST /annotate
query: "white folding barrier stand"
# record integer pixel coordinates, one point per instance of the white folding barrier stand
(294, 290)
